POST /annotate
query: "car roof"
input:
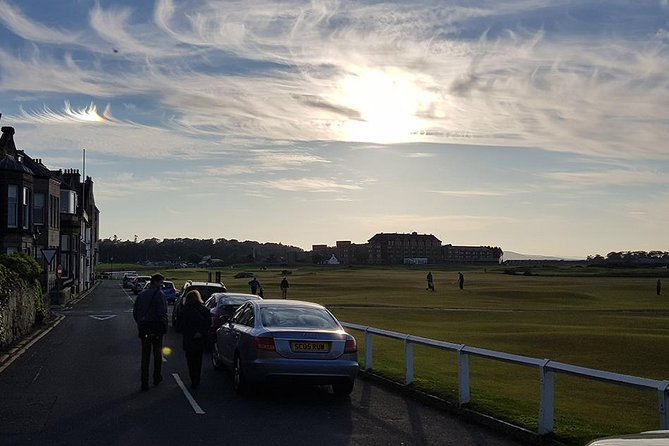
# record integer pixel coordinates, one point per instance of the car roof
(213, 284)
(286, 303)
(237, 295)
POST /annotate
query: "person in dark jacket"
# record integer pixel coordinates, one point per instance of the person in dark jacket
(284, 288)
(150, 313)
(254, 284)
(194, 323)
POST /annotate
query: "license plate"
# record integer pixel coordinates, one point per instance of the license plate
(323, 347)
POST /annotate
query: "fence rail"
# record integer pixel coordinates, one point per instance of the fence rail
(547, 370)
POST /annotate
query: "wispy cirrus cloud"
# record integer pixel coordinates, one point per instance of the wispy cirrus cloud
(320, 185)
(378, 72)
(614, 177)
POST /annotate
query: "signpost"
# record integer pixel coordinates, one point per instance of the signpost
(59, 271)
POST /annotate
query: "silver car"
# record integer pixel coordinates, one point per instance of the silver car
(650, 438)
(269, 341)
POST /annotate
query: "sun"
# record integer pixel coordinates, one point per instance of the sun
(387, 102)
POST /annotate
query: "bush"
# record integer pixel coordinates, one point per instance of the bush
(22, 264)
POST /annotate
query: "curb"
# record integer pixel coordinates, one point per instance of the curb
(503, 427)
(7, 358)
(24, 344)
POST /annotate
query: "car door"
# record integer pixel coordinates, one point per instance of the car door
(228, 335)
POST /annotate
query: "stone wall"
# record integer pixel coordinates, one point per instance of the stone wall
(17, 308)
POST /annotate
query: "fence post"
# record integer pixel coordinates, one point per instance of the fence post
(368, 349)
(463, 376)
(546, 398)
(408, 361)
(662, 401)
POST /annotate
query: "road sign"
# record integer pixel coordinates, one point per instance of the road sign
(49, 254)
(59, 271)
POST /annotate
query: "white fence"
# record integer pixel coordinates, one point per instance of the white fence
(547, 370)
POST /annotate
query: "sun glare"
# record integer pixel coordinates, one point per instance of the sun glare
(387, 102)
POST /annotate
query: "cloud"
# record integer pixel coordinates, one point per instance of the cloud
(14, 20)
(470, 193)
(375, 72)
(617, 177)
(308, 185)
(126, 184)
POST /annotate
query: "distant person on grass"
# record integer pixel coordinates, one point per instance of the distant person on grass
(284, 288)
(194, 324)
(658, 287)
(461, 280)
(254, 284)
(150, 313)
(430, 282)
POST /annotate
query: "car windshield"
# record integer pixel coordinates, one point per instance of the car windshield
(287, 317)
(205, 291)
(236, 301)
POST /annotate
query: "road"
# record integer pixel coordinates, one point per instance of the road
(79, 385)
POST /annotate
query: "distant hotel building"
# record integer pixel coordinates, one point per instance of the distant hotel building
(402, 248)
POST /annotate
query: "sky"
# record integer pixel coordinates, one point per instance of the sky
(538, 126)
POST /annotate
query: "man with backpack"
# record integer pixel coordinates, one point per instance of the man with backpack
(150, 313)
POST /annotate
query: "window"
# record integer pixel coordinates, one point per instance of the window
(26, 207)
(38, 213)
(12, 206)
(65, 243)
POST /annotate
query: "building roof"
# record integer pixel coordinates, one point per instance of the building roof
(380, 237)
(9, 163)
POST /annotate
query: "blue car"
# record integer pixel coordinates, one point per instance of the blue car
(169, 291)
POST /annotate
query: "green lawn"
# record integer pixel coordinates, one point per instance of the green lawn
(603, 319)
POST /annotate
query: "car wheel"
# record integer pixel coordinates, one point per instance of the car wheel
(215, 361)
(343, 389)
(238, 379)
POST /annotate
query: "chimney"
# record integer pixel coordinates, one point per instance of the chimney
(7, 146)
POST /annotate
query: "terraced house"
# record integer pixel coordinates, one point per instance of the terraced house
(50, 215)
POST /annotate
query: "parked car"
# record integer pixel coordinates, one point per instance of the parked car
(127, 279)
(270, 341)
(170, 291)
(650, 438)
(206, 289)
(222, 306)
(139, 282)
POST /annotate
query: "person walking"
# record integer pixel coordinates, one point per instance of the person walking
(284, 288)
(658, 287)
(254, 284)
(150, 313)
(194, 323)
(430, 282)
(461, 280)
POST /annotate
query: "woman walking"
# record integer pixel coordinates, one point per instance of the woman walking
(194, 324)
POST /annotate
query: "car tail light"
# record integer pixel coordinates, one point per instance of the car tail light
(351, 346)
(266, 344)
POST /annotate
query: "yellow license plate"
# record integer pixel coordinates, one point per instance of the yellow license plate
(310, 346)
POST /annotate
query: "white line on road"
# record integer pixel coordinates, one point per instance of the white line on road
(198, 410)
(126, 294)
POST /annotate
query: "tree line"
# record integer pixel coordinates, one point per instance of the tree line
(631, 258)
(191, 250)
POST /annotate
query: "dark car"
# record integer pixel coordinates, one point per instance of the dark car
(138, 283)
(222, 306)
(277, 340)
(206, 289)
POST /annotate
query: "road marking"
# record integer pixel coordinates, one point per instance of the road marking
(126, 294)
(198, 410)
(36, 375)
(15, 356)
(102, 317)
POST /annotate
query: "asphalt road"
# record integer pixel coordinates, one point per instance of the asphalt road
(79, 385)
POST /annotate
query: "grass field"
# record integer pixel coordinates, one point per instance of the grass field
(603, 319)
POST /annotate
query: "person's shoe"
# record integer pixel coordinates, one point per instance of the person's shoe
(157, 380)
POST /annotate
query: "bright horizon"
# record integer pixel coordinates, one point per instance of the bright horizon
(537, 126)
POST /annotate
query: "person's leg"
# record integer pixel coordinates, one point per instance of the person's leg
(191, 360)
(146, 353)
(197, 367)
(157, 359)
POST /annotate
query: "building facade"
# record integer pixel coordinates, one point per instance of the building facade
(389, 249)
(49, 215)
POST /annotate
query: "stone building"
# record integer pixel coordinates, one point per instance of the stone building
(388, 249)
(49, 215)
